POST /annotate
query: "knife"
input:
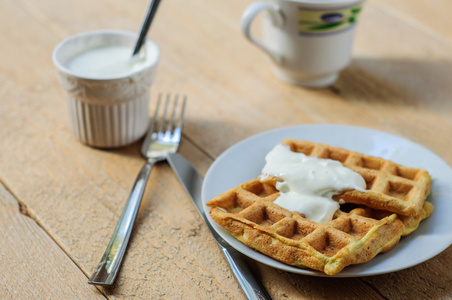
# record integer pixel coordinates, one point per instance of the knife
(191, 180)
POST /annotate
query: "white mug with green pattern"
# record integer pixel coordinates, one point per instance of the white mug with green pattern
(309, 41)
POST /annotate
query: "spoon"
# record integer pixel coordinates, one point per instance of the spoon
(146, 24)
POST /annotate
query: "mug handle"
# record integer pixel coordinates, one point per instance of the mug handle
(248, 17)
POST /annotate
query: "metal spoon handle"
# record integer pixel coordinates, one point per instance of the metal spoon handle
(152, 9)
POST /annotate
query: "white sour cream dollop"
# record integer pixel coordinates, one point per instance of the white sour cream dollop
(308, 183)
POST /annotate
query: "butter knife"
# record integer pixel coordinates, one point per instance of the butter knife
(191, 180)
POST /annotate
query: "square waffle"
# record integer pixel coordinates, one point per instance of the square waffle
(352, 237)
(393, 187)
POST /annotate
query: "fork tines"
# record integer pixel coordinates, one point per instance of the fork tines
(167, 125)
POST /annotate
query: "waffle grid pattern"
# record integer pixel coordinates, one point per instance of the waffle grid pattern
(352, 237)
(394, 187)
(373, 224)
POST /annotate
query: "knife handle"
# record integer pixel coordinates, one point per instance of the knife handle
(251, 286)
(191, 180)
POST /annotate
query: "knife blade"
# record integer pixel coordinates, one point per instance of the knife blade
(191, 180)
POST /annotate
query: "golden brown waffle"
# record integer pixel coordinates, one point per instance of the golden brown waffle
(394, 187)
(248, 213)
(410, 223)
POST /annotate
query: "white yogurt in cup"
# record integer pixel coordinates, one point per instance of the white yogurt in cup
(107, 90)
(107, 61)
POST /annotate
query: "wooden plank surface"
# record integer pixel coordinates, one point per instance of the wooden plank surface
(397, 82)
(25, 252)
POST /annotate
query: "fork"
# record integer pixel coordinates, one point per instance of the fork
(163, 138)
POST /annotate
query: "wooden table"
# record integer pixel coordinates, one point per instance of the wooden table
(60, 199)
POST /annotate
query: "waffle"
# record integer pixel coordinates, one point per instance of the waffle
(410, 223)
(352, 237)
(394, 187)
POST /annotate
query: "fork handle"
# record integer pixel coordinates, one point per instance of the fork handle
(106, 270)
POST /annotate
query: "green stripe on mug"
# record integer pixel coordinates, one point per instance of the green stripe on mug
(327, 21)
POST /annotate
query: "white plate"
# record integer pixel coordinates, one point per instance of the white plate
(244, 161)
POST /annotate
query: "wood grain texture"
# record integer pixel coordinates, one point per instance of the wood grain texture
(31, 263)
(398, 81)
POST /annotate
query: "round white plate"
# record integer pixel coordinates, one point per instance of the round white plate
(244, 161)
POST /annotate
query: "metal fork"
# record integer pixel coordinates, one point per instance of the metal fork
(162, 139)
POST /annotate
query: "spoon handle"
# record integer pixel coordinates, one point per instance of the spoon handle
(146, 24)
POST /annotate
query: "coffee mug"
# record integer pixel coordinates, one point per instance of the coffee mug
(309, 41)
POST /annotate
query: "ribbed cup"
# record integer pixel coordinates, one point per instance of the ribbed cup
(109, 125)
(111, 112)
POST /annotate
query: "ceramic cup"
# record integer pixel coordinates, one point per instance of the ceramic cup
(309, 41)
(106, 110)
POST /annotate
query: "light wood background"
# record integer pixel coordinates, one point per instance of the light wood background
(60, 200)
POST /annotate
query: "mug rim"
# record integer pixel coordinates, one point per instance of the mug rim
(317, 3)
(61, 67)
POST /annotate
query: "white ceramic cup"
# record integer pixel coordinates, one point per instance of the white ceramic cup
(309, 41)
(107, 111)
